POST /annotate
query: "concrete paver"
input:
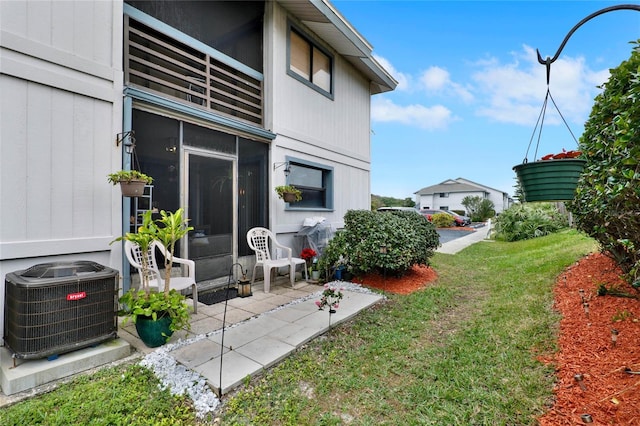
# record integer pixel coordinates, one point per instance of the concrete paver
(260, 331)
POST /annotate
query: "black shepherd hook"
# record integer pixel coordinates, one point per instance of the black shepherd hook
(224, 317)
(547, 62)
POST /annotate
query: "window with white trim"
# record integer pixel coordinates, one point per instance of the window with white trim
(315, 181)
(309, 63)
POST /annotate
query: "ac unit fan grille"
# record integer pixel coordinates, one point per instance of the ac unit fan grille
(43, 320)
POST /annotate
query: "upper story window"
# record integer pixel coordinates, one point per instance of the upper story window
(309, 63)
(315, 181)
(444, 195)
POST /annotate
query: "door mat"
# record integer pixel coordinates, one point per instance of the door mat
(217, 296)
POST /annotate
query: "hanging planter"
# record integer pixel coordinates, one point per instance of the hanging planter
(132, 182)
(289, 193)
(555, 176)
(553, 179)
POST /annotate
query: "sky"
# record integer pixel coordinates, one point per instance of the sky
(470, 89)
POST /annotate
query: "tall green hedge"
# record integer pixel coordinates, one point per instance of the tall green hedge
(607, 202)
(375, 241)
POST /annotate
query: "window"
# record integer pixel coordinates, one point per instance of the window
(444, 195)
(315, 181)
(444, 207)
(309, 63)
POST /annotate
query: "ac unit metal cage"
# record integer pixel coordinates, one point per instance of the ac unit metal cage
(53, 308)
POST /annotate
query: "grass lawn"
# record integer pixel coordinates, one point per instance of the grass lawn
(462, 351)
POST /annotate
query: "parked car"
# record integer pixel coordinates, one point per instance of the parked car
(405, 209)
(458, 219)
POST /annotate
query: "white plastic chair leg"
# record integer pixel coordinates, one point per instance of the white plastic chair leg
(267, 279)
(194, 294)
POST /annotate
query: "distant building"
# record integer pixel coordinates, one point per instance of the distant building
(448, 195)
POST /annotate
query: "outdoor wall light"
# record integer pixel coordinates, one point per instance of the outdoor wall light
(586, 418)
(579, 378)
(287, 167)
(244, 286)
(128, 141)
(614, 336)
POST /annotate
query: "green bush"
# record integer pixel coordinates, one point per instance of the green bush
(607, 198)
(524, 221)
(407, 237)
(480, 209)
(442, 220)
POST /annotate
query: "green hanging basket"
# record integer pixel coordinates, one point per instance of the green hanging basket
(549, 180)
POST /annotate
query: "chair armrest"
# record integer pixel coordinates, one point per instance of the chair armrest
(285, 248)
(191, 266)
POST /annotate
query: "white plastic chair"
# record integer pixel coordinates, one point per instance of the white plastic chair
(156, 278)
(262, 241)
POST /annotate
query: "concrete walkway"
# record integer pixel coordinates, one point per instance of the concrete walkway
(261, 330)
(454, 246)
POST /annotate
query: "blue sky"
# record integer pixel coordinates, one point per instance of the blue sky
(470, 86)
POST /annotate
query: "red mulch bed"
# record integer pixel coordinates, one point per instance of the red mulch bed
(416, 278)
(611, 396)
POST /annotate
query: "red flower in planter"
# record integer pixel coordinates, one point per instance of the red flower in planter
(563, 154)
(308, 254)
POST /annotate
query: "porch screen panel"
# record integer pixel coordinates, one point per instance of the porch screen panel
(213, 140)
(252, 190)
(232, 27)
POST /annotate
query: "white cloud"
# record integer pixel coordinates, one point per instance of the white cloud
(514, 92)
(402, 79)
(430, 118)
(438, 80)
(506, 92)
(435, 78)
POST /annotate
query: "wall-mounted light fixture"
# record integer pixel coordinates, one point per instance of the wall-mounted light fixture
(287, 167)
(128, 141)
(172, 145)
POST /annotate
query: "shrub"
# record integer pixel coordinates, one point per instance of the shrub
(607, 198)
(442, 220)
(524, 221)
(409, 239)
(480, 209)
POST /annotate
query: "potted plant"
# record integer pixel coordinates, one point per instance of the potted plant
(132, 182)
(289, 193)
(315, 272)
(552, 178)
(157, 313)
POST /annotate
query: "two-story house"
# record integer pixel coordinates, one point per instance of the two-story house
(449, 194)
(218, 101)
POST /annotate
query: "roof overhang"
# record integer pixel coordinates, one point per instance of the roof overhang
(325, 20)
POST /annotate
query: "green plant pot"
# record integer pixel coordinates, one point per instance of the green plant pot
(549, 180)
(154, 333)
